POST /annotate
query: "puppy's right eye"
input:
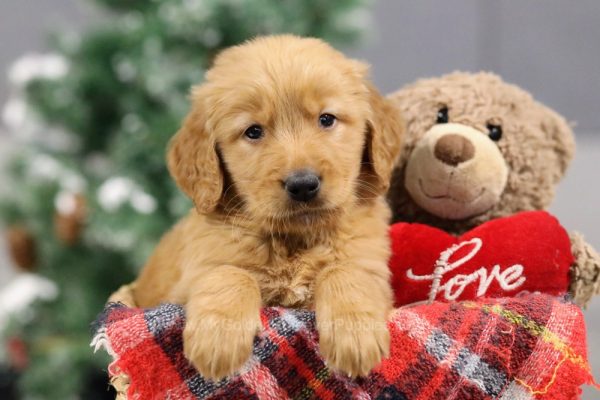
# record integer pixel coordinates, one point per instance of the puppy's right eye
(254, 132)
(326, 120)
(442, 116)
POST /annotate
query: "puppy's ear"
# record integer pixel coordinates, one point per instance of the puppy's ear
(193, 161)
(385, 134)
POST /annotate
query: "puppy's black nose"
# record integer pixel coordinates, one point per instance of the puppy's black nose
(302, 185)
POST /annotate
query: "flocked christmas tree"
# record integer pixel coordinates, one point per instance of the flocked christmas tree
(90, 194)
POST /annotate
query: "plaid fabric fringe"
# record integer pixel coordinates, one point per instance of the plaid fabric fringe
(529, 347)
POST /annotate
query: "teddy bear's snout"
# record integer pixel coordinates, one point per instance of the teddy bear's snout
(455, 171)
(453, 149)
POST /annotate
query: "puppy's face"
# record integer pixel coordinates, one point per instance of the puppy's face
(291, 127)
(294, 126)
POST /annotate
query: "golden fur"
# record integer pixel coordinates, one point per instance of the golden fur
(246, 245)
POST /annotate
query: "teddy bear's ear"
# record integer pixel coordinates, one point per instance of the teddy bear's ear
(561, 139)
(402, 97)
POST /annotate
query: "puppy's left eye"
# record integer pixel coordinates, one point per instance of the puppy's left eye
(326, 120)
(254, 132)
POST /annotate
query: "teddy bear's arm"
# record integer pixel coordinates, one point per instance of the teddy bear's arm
(585, 272)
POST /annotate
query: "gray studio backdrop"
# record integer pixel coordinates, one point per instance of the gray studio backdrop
(549, 47)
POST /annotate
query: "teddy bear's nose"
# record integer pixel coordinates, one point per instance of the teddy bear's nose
(453, 149)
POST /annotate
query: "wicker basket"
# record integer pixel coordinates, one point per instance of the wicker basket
(118, 380)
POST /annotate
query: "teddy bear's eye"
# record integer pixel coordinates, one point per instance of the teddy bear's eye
(495, 132)
(442, 116)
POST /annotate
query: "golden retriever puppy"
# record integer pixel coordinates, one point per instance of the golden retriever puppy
(286, 152)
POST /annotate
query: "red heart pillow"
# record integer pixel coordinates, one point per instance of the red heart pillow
(529, 251)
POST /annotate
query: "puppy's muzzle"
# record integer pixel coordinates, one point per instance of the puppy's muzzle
(302, 185)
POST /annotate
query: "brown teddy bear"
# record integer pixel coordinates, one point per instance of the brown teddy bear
(478, 149)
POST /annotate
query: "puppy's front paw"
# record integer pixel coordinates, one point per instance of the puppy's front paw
(217, 346)
(354, 342)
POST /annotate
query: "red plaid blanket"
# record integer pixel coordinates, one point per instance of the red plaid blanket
(532, 346)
